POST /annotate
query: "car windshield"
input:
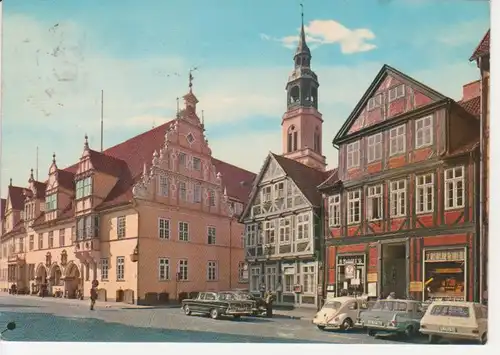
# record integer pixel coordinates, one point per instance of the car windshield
(450, 311)
(387, 305)
(332, 305)
(243, 296)
(227, 296)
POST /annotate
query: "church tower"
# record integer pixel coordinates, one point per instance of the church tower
(302, 123)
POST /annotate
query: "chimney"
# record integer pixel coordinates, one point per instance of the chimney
(471, 90)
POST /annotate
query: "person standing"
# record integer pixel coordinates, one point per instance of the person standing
(269, 298)
(93, 294)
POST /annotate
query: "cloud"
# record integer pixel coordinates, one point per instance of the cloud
(321, 32)
(140, 93)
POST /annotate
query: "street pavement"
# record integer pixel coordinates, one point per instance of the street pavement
(279, 328)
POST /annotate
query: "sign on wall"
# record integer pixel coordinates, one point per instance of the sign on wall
(351, 259)
(445, 255)
(349, 271)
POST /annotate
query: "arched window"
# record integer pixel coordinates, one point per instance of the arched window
(292, 139)
(294, 94)
(317, 140)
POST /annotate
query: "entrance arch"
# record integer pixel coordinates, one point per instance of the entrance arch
(72, 279)
(41, 274)
(55, 275)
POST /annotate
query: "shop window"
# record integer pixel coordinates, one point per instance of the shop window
(350, 274)
(444, 272)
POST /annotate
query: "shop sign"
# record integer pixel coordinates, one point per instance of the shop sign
(351, 259)
(289, 271)
(416, 286)
(445, 255)
(372, 277)
(349, 271)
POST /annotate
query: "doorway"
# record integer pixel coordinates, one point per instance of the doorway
(394, 269)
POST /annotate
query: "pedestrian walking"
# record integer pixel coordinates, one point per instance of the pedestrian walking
(269, 299)
(392, 296)
(93, 294)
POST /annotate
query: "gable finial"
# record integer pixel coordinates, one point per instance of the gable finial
(31, 175)
(191, 80)
(302, 13)
(54, 158)
(10, 183)
(177, 114)
(86, 144)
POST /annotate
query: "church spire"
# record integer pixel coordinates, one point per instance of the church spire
(302, 48)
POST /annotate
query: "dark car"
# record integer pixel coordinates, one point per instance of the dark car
(217, 304)
(260, 303)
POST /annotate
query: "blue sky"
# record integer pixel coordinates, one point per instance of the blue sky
(52, 76)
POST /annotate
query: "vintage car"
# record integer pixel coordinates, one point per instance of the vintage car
(455, 320)
(217, 304)
(260, 303)
(393, 316)
(340, 313)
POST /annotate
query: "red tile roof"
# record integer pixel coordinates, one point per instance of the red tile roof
(464, 149)
(17, 229)
(40, 189)
(331, 180)
(307, 179)
(66, 213)
(483, 48)
(66, 179)
(3, 202)
(16, 196)
(472, 106)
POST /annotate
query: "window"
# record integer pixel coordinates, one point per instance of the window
(398, 198)
(266, 194)
(334, 211)
(375, 147)
(40, 241)
(183, 231)
(271, 278)
(73, 232)
(450, 311)
(32, 242)
(254, 279)
(120, 268)
(21, 245)
(285, 230)
(211, 235)
(87, 227)
(396, 92)
(303, 226)
(163, 228)
(317, 141)
(425, 193)
(51, 240)
(62, 240)
(182, 191)
(197, 193)
(183, 270)
(242, 275)
(454, 194)
(423, 132)
(212, 271)
(104, 269)
(120, 227)
(196, 163)
(163, 185)
(308, 274)
(84, 187)
(289, 273)
(182, 159)
(211, 198)
(354, 206)
(163, 269)
(397, 138)
(375, 101)
(251, 234)
(279, 190)
(51, 202)
(269, 230)
(353, 155)
(375, 200)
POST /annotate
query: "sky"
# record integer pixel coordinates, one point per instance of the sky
(58, 55)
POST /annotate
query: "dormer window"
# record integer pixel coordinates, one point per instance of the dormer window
(29, 211)
(84, 188)
(51, 202)
(279, 190)
(87, 227)
(396, 92)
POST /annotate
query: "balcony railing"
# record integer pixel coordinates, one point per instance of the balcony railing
(87, 245)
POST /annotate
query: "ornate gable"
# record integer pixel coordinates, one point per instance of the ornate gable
(390, 95)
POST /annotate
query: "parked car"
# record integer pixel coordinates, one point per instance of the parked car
(455, 320)
(217, 304)
(260, 303)
(339, 313)
(393, 316)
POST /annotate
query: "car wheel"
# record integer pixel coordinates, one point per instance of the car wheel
(187, 310)
(371, 332)
(346, 324)
(433, 339)
(321, 327)
(484, 338)
(236, 316)
(214, 313)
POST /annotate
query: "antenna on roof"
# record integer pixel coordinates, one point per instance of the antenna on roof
(36, 164)
(102, 119)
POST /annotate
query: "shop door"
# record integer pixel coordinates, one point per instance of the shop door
(394, 270)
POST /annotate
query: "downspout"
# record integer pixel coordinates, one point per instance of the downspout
(134, 204)
(481, 181)
(230, 251)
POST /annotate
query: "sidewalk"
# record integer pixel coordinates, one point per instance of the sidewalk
(306, 314)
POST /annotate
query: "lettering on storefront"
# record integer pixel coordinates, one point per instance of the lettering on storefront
(445, 255)
(351, 259)
(372, 277)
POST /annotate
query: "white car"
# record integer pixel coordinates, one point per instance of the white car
(455, 320)
(339, 313)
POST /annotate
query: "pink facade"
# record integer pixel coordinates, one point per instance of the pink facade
(152, 219)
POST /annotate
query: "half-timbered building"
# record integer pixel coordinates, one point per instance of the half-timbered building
(402, 214)
(283, 216)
